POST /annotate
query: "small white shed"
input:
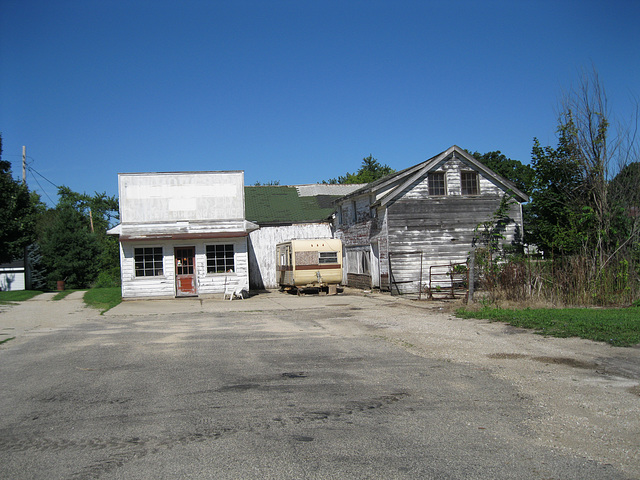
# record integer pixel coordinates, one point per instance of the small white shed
(12, 276)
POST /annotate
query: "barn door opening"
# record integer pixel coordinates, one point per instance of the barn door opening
(185, 271)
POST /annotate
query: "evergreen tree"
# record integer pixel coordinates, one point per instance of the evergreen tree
(370, 171)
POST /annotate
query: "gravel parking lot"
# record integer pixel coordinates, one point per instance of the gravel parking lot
(278, 386)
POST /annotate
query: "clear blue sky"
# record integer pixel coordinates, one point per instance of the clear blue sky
(296, 91)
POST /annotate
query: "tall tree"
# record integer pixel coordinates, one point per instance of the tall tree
(554, 214)
(73, 240)
(17, 225)
(515, 171)
(369, 171)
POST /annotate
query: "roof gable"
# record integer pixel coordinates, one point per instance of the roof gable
(396, 183)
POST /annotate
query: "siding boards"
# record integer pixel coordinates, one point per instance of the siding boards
(164, 285)
(442, 228)
(262, 249)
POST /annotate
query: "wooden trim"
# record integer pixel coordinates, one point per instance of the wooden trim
(181, 236)
(324, 266)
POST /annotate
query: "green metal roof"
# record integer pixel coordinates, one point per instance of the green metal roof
(283, 205)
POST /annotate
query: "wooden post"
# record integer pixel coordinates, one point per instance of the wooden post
(420, 281)
(91, 220)
(470, 275)
(24, 164)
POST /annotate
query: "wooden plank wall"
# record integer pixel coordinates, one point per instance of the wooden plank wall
(441, 228)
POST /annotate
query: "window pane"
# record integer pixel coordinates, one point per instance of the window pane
(220, 258)
(328, 257)
(469, 183)
(436, 183)
(148, 261)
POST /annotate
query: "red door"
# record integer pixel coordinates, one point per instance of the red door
(185, 271)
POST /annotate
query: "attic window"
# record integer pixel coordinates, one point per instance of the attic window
(469, 183)
(437, 184)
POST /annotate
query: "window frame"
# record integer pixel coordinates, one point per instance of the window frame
(220, 258)
(148, 266)
(329, 258)
(465, 177)
(440, 177)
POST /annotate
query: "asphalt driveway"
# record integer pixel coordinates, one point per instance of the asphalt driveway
(271, 387)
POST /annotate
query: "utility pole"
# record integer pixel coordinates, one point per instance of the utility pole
(24, 165)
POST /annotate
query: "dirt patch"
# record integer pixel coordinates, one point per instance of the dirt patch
(584, 396)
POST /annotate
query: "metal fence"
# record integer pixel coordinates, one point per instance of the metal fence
(409, 275)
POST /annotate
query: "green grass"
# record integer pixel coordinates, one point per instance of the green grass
(64, 293)
(103, 298)
(6, 340)
(619, 327)
(18, 295)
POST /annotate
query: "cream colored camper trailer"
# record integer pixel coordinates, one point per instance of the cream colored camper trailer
(309, 263)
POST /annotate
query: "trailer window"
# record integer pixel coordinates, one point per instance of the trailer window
(220, 258)
(328, 257)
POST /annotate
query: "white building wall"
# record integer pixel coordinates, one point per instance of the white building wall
(165, 285)
(12, 280)
(181, 196)
(262, 249)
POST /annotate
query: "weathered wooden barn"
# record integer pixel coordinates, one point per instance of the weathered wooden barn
(421, 220)
(285, 213)
(182, 233)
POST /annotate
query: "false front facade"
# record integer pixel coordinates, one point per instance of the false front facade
(182, 233)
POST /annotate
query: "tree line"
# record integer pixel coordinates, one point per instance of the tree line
(582, 222)
(68, 242)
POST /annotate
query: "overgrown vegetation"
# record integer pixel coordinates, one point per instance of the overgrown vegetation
(583, 218)
(103, 298)
(619, 327)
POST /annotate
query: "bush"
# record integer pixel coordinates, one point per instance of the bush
(108, 278)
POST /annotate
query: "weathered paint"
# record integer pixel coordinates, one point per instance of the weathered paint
(410, 230)
(183, 209)
(180, 196)
(165, 285)
(298, 262)
(262, 249)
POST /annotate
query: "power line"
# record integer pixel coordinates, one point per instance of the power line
(33, 170)
(44, 191)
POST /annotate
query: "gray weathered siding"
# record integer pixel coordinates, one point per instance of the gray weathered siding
(441, 228)
(415, 225)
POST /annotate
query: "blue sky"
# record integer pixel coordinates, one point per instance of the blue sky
(295, 91)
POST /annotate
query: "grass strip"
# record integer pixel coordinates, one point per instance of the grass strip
(18, 295)
(619, 327)
(64, 293)
(6, 340)
(103, 299)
